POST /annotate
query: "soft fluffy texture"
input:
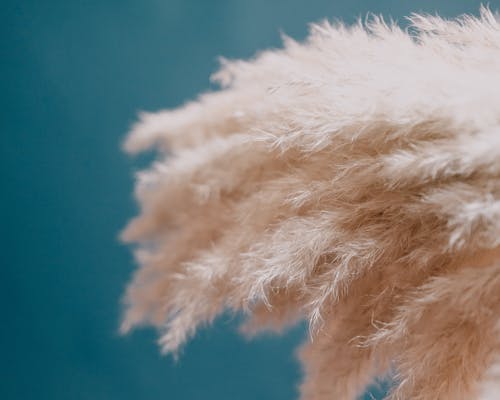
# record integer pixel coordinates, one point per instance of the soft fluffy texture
(352, 181)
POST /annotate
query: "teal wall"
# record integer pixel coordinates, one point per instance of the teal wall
(73, 75)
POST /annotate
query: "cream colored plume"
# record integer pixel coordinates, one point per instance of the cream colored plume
(353, 181)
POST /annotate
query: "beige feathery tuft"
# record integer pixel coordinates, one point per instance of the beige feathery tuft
(352, 181)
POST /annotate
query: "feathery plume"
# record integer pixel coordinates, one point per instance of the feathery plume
(352, 181)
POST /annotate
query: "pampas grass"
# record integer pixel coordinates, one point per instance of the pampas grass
(352, 181)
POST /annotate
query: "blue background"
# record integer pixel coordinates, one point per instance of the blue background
(73, 75)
